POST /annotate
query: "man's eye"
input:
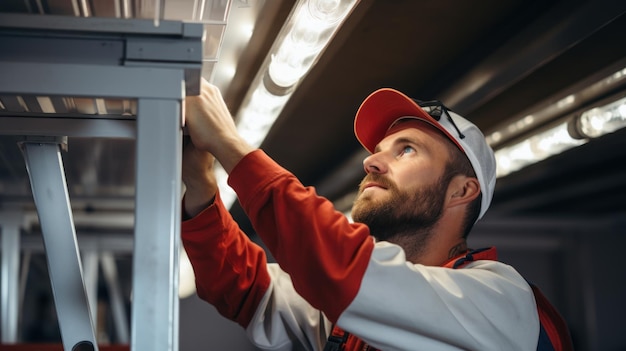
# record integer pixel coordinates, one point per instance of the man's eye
(407, 150)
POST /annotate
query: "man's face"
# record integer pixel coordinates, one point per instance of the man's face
(403, 192)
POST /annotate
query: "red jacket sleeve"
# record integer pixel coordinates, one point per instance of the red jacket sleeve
(230, 269)
(325, 255)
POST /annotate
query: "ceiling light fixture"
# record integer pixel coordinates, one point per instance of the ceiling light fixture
(303, 38)
(574, 130)
(305, 35)
(534, 149)
(604, 119)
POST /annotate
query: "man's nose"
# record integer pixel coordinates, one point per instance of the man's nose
(375, 163)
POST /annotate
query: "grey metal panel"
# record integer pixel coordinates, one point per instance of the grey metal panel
(10, 222)
(147, 49)
(90, 270)
(71, 127)
(58, 52)
(26, 47)
(90, 80)
(157, 226)
(45, 169)
(100, 25)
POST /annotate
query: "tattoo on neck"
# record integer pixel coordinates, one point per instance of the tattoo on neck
(457, 249)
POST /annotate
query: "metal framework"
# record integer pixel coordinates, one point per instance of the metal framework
(156, 66)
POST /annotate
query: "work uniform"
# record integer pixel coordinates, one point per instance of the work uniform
(333, 273)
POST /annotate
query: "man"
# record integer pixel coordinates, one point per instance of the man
(401, 278)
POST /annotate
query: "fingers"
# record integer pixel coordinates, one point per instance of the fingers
(203, 115)
(196, 158)
(207, 118)
(212, 128)
(197, 168)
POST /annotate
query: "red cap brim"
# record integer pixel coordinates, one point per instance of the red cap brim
(381, 109)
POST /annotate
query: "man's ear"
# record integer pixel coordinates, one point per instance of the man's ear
(462, 190)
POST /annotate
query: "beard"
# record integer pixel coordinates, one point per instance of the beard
(401, 215)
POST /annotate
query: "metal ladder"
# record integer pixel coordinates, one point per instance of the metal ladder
(157, 66)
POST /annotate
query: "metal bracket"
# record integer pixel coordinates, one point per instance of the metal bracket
(61, 141)
(49, 188)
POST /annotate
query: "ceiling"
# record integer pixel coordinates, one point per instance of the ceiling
(492, 61)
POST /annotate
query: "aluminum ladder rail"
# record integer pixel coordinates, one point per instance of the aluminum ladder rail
(125, 59)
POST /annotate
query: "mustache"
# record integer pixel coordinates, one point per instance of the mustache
(377, 178)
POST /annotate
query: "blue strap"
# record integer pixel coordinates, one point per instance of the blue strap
(544, 343)
(468, 257)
